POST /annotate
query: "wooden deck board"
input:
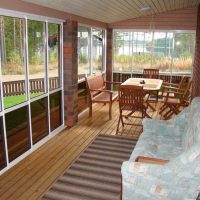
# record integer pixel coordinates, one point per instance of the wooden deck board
(30, 178)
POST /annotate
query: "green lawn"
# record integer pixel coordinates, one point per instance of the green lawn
(14, 100)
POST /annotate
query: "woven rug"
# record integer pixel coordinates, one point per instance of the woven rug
(96, 174)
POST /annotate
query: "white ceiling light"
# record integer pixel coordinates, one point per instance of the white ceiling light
(145, 9)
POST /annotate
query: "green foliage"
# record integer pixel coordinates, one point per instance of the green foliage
(12, 41)
(10, 101)
(142, 58)
(53, 29)
(35, 42)
(185, 55)
(139, 62)
(37, 59)
(175, 50)
(53, 59)
(13, 58)
(13, 100)
(83, 59)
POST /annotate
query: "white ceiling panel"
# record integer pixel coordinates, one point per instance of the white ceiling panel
(109, 11)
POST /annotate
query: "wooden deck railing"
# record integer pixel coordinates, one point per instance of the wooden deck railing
(18, 87)
(36, 85)
(14, 88)
(121, 77)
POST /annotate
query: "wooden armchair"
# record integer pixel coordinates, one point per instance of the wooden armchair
(171, 88)
(131, 98)
(174, 103)
(98, 93)
(151, 73)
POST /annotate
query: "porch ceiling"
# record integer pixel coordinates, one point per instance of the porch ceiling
(109, 11)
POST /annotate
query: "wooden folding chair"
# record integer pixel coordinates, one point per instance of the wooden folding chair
(171, 88)
(174, 103)
(151, 73)
(131, 98)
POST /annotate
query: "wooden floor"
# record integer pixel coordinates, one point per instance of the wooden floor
(30, 178)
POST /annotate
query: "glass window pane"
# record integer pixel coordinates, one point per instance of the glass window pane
(17, 132)
(97, 49)
(54, 55)
(2, 146)
(184, 46)
(39, 119)
(36, 56)
(141, 53)
(162, 51)
(118, 42)
(83, 51)
(166, 51)
(123, 59)
(148, 49)
(55, 110)
(12, 60)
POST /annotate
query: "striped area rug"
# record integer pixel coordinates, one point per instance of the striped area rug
(95, 175)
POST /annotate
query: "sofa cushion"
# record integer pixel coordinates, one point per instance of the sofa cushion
(155, 182)
(178, 179)
(157, 145)
(180, 121)
(191, 133)
(177, 140)
(170, 138)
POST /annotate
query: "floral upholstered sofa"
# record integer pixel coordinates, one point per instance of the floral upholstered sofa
(178, 142)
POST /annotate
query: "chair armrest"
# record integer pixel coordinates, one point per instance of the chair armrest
(169, 87)
(170, 84)
(99, 90)
(151, 160)
(174, 92)
(146, 97)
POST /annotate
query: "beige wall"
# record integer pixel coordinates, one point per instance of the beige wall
(185, 19)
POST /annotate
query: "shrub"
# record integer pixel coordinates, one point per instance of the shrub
(13, 57)
(83, 59)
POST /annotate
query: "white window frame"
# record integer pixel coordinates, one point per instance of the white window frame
(146, 30)
(33, 147)
(90, 49)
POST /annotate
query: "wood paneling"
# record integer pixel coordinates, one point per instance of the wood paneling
(115, 10)
(101, 12)
(18, 5)
(184, 19)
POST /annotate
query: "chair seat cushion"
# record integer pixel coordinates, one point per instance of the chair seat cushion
(172, 100)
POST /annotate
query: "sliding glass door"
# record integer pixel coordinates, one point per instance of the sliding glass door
(31, 87)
